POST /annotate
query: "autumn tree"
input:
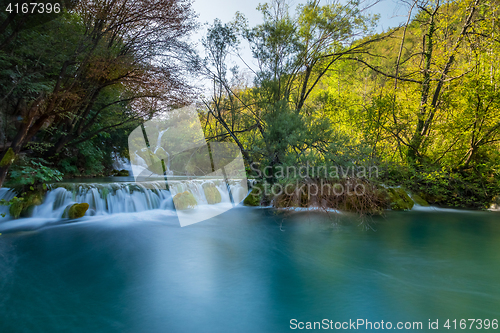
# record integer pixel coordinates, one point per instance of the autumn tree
(131, 54)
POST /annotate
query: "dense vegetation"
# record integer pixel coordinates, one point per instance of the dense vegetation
(73, 84)
(420, 101)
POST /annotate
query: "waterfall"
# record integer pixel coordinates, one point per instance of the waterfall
(121, 163)
(124, 197)
(6, 194)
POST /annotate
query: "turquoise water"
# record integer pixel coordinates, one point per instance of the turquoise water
(248, 270)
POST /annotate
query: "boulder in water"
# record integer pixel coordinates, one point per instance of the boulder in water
(76, 211)
(23, 207)
(120, 173)
(419, 200)
(123, 173)
(399, 199)
(212, 194)
(184, 200)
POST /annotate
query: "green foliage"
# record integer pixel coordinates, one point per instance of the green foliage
(88, 73)
(33, 173)
(16, 206)
(22, 206)
(68, 167)
(435, 130)
(284, 130)
(29, 177)
(255, 196)
(345, 152)
(465, 189)
(94, 157)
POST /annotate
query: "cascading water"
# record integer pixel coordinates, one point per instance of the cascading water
(104, 199)
(125, 197)
(121, 163)
(6, 194)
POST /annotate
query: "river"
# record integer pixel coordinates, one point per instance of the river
(246, 270)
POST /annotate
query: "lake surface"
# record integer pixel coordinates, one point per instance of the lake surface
(248, 270)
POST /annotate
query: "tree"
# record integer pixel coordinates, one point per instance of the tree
(220, 41)
(121, 53)
(446, 42)
(293, 54)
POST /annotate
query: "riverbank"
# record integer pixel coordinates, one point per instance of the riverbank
(368, 197)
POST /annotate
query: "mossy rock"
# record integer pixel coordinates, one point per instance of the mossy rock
(115, 187)
(399, 199)
(433, 199)
(123, 173)
(419, 200)
(255, 196)
(8, 158)
(135, 188)
(212, 194)
(400, 204)
(28, 211)
(24, 206)
(16, 208)
(184, 200)
(76, 211)
(33, 198)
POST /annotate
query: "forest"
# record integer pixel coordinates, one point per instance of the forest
(419, 101)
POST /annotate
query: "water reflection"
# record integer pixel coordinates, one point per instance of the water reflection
(242, 272)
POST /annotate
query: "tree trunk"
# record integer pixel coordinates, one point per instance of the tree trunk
(427, 112)
(15, 148)
(417, 138)
(20, 139)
